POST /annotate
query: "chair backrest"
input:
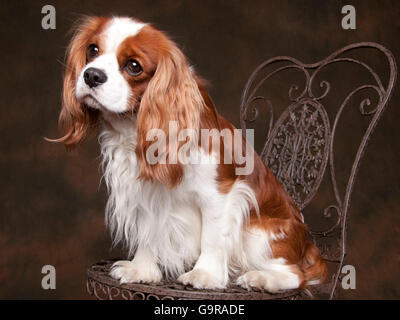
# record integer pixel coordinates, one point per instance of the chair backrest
(299, 145)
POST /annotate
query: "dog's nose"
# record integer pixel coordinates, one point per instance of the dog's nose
(94, 77)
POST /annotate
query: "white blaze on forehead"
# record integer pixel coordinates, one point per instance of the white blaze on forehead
(118, 30)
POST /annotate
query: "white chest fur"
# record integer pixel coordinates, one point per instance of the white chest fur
(145, 214)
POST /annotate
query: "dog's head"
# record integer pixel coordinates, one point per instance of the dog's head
(123, 66)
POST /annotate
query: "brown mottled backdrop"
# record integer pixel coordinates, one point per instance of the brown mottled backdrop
(52, 205)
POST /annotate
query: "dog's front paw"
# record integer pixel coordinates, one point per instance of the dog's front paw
(201, 279)
(132, 271)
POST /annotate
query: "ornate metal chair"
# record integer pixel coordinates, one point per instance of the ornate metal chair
(298, 148)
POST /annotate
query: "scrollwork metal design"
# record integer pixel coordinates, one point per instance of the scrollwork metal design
(298, 150)
(291, 150)
(103, 287)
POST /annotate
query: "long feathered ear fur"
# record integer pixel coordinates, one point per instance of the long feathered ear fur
(76, 120)
(171, 95)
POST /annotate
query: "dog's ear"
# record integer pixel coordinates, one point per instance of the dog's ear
(76, 120)
(172, 95)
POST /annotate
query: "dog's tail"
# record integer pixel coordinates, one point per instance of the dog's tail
(314, 267)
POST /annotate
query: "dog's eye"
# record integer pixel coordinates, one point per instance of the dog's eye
(133, 68)
(92, 51)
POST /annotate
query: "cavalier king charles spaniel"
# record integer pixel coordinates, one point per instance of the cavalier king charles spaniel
(201, 222)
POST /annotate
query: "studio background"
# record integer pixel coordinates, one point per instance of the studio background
(52, 204)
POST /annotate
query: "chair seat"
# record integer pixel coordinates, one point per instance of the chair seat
(104, 287)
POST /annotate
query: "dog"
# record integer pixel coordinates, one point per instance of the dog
(201, 223)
